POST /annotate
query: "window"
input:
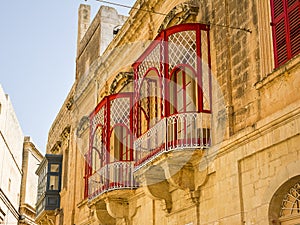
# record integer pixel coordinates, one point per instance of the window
(290, 206)
(120, 149)
(49, 183)
(149, 106)
(183, 94)
(54, 177)
(286, 29)
(284, 208)
(98, 153)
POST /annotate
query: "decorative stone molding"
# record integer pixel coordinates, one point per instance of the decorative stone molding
(180, 12)
(56, 147)
(122, 79)
(69, 103)
(65, 135)
(82, 126)
(47, 218)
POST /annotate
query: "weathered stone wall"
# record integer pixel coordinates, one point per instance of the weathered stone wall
(96, 38)
(257, 154)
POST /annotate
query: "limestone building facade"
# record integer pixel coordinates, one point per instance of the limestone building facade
(11, 145)
(19, 158)
(31, 160)
(191, 115)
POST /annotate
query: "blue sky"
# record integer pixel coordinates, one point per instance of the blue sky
(37, 58)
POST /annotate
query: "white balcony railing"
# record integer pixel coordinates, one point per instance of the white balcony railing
(176, 132)
(113, 176)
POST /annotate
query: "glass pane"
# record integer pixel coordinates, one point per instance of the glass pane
(53, 184)
(191, 91)
(54, 168)
(205, 71)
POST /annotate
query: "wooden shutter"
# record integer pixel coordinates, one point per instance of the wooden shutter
(286, 30)
(294, 26)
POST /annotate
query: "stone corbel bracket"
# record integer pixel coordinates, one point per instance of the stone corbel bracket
(113, 207)
(101, 214)
(156, 186)
(182, 170)
(179, 169)
(118, 208)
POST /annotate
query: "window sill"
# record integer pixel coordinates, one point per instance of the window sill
(278, 72)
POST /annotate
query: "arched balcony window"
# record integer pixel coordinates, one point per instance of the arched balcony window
(183, 90)
(120, 144)
(110, 156)
(97, 156)
(178, 113)
(149, 104)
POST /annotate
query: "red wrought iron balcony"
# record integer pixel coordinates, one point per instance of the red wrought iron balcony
(110, 158)
(173, 93)
(113, 176)
(184, 131)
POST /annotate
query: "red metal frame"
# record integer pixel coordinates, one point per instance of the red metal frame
(174, 72)
(106, 132)
(163, 39)
(86, 176)
(285, 28)
(139, 107)
(164, 76)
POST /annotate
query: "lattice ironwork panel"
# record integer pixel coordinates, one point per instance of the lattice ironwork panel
(291, 203)
(151, 61)
(182, 49)
(98, 138)
(119, 111)
(98, 119)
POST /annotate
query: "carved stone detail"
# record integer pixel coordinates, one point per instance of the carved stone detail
(65, 135)
(179, 169)
(180, 12)
(122, 79)
(56, 147)
(102, 214)
(117, 208)
(156, 186)
(82, 126)
(47, 218)
(69, 103)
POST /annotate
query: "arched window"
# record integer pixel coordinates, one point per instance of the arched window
(290, 207)
(98, 152)
(183, 91)
(285, 204)
(149, 105)
(120, 144)
(286, 29)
